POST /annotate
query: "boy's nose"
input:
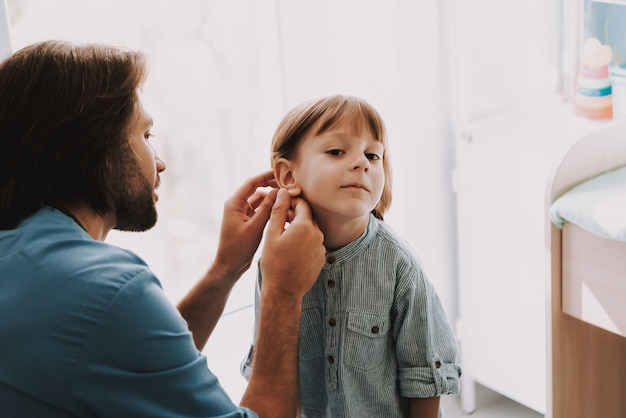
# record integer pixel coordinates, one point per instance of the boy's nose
(361, 163)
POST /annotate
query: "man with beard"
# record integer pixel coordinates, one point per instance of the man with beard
(85, 328)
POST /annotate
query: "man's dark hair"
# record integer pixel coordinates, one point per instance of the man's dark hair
(65, 113)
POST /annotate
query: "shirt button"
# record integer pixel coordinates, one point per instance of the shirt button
(331, 260)
(332, 322)
(331, 284)
(331, 359)
(375, 329)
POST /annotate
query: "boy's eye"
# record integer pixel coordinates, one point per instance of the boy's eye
(334, 152)
(147, 136)
(373, 157)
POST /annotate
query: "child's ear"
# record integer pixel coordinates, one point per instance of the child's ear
(283, 173)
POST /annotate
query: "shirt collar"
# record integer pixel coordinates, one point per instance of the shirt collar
(354, 248)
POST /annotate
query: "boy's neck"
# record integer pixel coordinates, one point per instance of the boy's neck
(341, 232)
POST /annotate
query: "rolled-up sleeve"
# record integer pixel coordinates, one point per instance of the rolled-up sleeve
(426, 348)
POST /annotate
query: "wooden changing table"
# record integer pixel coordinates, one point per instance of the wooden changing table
(586, 294)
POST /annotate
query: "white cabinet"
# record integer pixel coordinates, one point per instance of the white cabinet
(501, 175)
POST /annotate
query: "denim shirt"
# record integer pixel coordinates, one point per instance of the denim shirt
(373, 332)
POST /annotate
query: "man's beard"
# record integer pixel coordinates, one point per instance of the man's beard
(135, 210)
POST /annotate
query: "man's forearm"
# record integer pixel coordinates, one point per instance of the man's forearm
(273, 387)
(203, 306)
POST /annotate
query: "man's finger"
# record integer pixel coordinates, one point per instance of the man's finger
(261, 211)
(249, 187)
(278, 216)
(301, 211)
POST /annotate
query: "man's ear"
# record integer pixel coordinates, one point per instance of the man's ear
(283, 173)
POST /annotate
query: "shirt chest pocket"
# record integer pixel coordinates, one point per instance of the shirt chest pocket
(366, 343)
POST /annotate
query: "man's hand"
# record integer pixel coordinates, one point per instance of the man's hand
(292, 257)
(245, 216)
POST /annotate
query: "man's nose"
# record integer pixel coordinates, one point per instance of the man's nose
(160, 164)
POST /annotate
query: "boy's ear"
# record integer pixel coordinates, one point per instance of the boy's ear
(283, 173)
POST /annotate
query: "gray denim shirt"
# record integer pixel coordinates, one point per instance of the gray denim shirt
(373, 332)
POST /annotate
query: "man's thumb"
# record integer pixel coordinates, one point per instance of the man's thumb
(279, 214)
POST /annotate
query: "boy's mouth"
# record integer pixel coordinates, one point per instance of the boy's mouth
(355, 186)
